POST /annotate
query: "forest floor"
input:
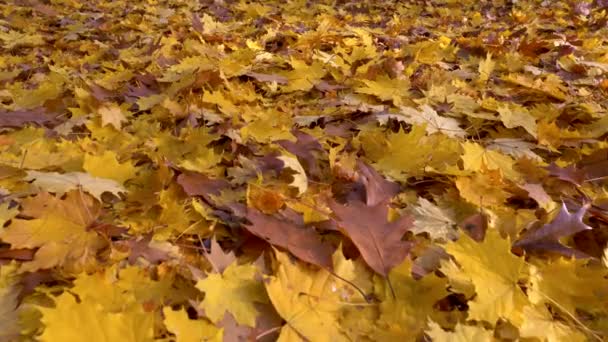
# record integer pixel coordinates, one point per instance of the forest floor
(179, 170)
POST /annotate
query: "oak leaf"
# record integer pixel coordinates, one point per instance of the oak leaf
(303, 242)
(219, 259)
(546, 238)
(379, 241)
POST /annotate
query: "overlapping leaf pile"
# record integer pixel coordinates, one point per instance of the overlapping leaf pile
(303, 170)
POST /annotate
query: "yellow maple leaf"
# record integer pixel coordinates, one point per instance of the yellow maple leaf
(85, 320)
(107, 166)
(486, 67)
(51, 88)
(394, 157)
(495, 272)
(517, 116)
(236, 291)
(58, 230)
(190, 330)
(403, 316)
(572, 284)
(475, 157)
(61, 183)
(304, 76)
(112, 114)
(386, 89)
(461, 333)
(309, 300)
(539, 323)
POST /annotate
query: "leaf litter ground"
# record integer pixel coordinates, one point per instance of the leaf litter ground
(303, 171)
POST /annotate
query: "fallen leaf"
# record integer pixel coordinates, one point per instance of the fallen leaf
(61, 183)
(547, 238)
(235, 290)
(380, 242)
(218, 258)
(303, 242)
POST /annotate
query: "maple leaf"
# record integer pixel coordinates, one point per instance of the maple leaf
(476, 157)
(307, 299)
(197, 184)
(303, 242)
(486, 67)
(107, 166)
(96, 324)
(386, 89)
(111, 114)
(461, 333)
(539, 323)
(189, 330)
(58, 229)
(433, 122)
(378, 241)
(152, 251)
(61, 183)
(438, 222)
(569, 285)
(268, 77)
(516, 116)
(569, 174)
(235, 290)
(304, 148)
(546, 238)
(495, 273)
(403, 315)
(432, 152)
(304, 76)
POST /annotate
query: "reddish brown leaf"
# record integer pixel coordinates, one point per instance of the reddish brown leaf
(475, 226)
(303, 148)
(568, 174)
(546, 238)
(377, 188)
(140, 247)
(378, 241)
(268, 77)
(595, 166)
(218, 258)
(22, 117)
(197, 184)
(197, 25)
(302, 242)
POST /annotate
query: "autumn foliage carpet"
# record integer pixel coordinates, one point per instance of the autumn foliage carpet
(176, 170)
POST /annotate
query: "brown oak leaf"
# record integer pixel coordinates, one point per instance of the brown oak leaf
(302, 242)
(546, 238)
(378, 241)
(218, 258)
